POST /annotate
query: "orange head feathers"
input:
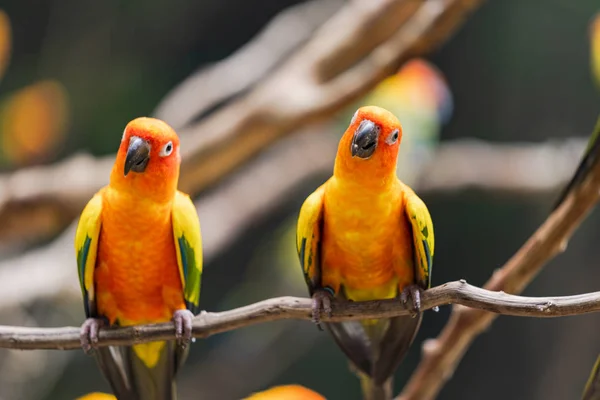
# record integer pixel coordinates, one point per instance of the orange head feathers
(369, 147)
(148, 160)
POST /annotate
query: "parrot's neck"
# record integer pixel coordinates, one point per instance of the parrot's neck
(141, 186)
(366, 177)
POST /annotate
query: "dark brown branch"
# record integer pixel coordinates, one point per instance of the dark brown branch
(442, 355)
(207, 324)
(315, 86)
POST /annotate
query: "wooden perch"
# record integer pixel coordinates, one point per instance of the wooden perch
(207, 324)
(337, 65)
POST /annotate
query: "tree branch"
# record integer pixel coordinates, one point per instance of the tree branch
(208, 324)
(442, 355)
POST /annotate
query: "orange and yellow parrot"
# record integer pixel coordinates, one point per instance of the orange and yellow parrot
(286, 392)
(365, 235)
(139, 258)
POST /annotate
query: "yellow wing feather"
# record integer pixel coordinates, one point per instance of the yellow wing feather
(188, 242)
(423, 237)
(308, 237)
(86, 248)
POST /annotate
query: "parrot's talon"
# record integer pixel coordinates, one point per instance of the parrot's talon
(414, 292)
(321, 299)
(88, 335)
(183, 327)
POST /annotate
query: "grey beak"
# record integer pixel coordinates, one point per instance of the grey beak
(138, 155)
(365, 138)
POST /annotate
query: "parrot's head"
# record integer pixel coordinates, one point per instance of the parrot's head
(148, 160)
(368, 150)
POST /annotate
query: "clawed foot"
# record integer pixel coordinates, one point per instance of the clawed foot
(183, 327)
(88, 335)
(414, 292)
(321, 299)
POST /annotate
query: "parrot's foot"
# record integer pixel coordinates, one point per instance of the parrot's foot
(414, 292)
(88, 335)
(321, 299)
(183, 326)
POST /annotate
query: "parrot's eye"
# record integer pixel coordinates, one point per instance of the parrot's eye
(166, 150)
(393, 137)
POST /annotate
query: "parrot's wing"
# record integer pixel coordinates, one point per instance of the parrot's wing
(308, 238)
(188, 242)
(422, 230)
(86, 246)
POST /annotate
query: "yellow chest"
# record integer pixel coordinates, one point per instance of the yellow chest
(367, 239)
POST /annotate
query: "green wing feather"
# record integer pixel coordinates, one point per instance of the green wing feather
(86, 248)
(423, 240)
(188, 242)
(308, 237)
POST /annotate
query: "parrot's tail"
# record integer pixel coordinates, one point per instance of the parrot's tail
(374, 391)
(376, 347)
(142, 372)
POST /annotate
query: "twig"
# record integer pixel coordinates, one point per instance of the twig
(208, 324)
(337, 65)
(442, 355)
(217, 84)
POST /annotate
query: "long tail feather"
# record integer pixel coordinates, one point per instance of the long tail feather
(132, 377)
(373, 391)
(376, 347)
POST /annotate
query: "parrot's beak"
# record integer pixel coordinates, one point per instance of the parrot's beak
(365, 138)
(138, 155)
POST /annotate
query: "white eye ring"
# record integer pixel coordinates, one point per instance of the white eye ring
(166, 150)
(393, 137)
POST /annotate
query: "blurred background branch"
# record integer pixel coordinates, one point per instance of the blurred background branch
(208, 323)
(337, 65)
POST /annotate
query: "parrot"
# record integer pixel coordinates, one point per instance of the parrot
(139, 259)
(592, 150)
(365, 235)
(97, 396)
(286, 392)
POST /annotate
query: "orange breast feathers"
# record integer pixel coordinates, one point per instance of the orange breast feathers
(367, 239)
(137, 276)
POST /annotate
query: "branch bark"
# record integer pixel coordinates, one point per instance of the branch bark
(208, 324)
(442, 355)
(336, 66)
